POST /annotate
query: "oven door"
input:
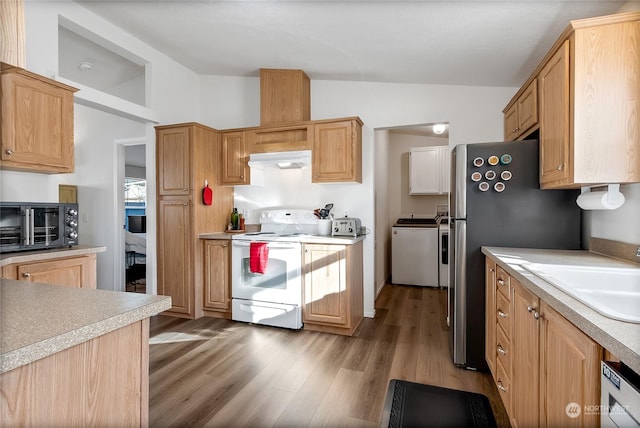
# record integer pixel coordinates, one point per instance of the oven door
(281, 282)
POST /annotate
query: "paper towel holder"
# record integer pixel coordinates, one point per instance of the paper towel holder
(610, 199)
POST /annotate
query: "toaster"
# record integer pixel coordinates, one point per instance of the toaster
(346, 226)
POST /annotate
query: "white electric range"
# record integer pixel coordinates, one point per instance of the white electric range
(275, 296)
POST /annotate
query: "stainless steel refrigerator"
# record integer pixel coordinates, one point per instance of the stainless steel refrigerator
(496, 200)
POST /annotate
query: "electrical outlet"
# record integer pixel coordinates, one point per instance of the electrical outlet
(638, 252)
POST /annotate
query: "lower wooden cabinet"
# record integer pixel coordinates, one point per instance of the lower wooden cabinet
(490, 319)
(544, 363)
(332, 288)
(216, 299)
(76, 271)
(101, 382)
(175, 256)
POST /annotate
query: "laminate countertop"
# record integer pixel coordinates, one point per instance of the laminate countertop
(38, 320)
(53, 253)
(619, 337)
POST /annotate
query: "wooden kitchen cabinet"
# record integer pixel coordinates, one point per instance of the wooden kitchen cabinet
(588, 86)
(546, 361)
(569, 371)
(37, 122)
(268, 139)
(175, 256)
(525, 359)
(490, 314)
(12, 50)
(337, 151)
(521, 114)
(217, 278)
(285, 96)
(332, 286)
(429, 170)
(74, 271)
(235, 155)
(193, 150)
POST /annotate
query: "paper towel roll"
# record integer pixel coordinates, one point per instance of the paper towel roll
(600, 200)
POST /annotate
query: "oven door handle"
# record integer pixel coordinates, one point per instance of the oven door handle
(274, 245)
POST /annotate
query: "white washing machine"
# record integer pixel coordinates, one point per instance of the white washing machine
(414, 255)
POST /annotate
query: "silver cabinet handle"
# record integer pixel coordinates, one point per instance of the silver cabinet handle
(501, 350)
(500, 387)
(502, 314)
(531, 308)
(26, 275)
(9, 152)
(501, 282)
(536, 315)
(559, 168)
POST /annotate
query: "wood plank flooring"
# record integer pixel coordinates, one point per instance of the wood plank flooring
(218, 373)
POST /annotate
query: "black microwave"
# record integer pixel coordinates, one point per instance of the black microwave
(37, 226)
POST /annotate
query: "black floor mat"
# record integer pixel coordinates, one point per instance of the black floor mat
(410, 404)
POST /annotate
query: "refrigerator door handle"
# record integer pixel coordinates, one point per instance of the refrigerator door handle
(459, 296)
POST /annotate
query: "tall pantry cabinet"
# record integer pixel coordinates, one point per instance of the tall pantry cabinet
(186, 155)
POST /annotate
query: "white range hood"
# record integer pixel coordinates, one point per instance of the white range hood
(283, 160)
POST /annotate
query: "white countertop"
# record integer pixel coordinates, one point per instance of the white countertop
(38, 320)
(619, 337)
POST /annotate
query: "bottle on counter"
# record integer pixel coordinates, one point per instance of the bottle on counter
(235, 219)
(241, 222)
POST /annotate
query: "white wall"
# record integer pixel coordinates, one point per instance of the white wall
(172, 92)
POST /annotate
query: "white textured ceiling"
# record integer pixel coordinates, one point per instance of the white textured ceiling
(487, 43)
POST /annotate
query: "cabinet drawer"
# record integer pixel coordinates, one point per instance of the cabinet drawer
(504, 386)
(503, 282)
(503, 313)
(503, 349)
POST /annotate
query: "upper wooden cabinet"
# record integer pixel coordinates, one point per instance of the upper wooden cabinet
(268, 139)
(37, 122)
(588, 86)
(337, 151)
(285, 96)
(235, 155)
(174, 161)
(521, 114)
(12, 50)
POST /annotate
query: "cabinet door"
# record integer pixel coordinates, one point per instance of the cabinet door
(217, 285)
(235, 169)
(528, 108)
(12, 51)
(490, 315)
(511, 123)
(173, 159)
(569, 372)
(337, 152)
(325, 297)
(424, 171)
(555, 145)
(37, 127)
(525, 358)
(174, 254)
(79, 272)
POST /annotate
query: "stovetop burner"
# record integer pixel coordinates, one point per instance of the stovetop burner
(283, 225)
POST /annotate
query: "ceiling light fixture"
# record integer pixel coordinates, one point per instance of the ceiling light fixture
(85, 66)
(439, 128)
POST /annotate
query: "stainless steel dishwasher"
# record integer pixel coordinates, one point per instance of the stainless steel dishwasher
(414, 252)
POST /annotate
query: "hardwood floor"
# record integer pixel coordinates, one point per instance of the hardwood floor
(219, 373)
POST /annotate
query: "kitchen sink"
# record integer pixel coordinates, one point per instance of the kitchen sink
(416, 221)
(613, 292)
